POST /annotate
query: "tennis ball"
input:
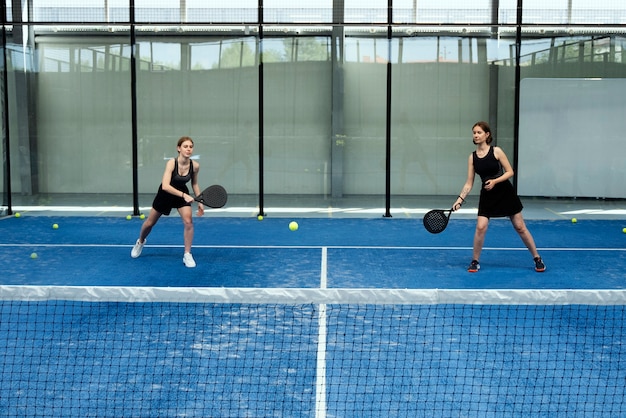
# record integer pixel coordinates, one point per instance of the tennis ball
(128, 217)
(33, 255)
(17, 214)
(624, 230)
(55, 226)
(142, 216)
(260, 217)
(574, 220)
(293, 225)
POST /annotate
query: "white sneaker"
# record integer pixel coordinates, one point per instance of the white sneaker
(136, 251)
(188, 260)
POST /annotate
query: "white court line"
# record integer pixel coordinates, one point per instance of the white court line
(316, 247)
(295, 210)
(320, 374)
(324, 275)
(620, 212)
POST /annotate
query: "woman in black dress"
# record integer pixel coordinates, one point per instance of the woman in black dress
(173, 193)
(497, 195)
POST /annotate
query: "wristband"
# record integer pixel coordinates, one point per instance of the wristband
(461, 198)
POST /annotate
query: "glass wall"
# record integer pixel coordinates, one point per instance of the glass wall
(442, 85)
(297, 86)
(313, 104)
(204, 87)
(80, 123)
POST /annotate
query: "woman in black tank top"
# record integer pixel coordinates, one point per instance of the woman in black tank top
(173, 193)
(497, 195)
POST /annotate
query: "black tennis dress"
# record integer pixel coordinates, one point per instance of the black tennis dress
(164, 202)
(500, 201)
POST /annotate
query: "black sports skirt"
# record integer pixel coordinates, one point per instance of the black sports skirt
(164, 202)
(499, 202)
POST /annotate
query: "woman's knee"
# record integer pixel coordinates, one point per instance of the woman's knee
(519, 224)
(482, 225)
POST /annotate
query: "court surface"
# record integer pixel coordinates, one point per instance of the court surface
(374, 252)
(168, 358)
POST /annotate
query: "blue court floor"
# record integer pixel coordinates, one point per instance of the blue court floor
(99, 358)
(361, 252)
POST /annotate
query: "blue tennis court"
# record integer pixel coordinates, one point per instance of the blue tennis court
(343, 318)
(240, 252)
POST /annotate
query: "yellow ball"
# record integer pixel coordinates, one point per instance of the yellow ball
(260, 217)
(128, 217)
(293, 225)
(142, 216)
(33, 255)
(17, 214)
(624, 230)
(55, 226)
(574, 220)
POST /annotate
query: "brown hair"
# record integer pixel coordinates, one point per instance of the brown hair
(183, 139)
(485, 127)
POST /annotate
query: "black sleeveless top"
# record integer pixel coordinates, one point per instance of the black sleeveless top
(164, 202)
(487, 167)
(178, 181)
(500, 201)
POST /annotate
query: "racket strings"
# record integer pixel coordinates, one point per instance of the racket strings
(214, 196)
(215, 199)
(435, 221)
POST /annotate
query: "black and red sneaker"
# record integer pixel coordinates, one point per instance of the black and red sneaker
(539, 265)
(474, 266)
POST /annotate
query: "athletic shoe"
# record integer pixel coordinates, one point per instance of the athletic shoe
(136, 251)
(474, 266)
(188, 260)
(539, 265)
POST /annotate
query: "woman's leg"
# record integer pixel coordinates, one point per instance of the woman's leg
(146, 228)
(520, 227)
(482, 223)
(186, 215)
(148, 224)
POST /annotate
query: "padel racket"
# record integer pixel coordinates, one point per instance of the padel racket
(436, 220)
(214, 196)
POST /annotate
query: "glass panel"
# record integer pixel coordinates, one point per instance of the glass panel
(206, 88)
(325, 92)
(71, 135)
(235, 11)
(158, 11)
(18, 58)
(366, 50)
(297, 121)
(9, 12)
(160, 56)
(301, 11)
(365, 78)
(80, 11)
(586, 12)
(507, 12)
(197, 11)
(223, 53)
(599, 12)
(572, 89)
(370, 11)
(314, 11)
(5, 198)
(442, 85)
(441, 11)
